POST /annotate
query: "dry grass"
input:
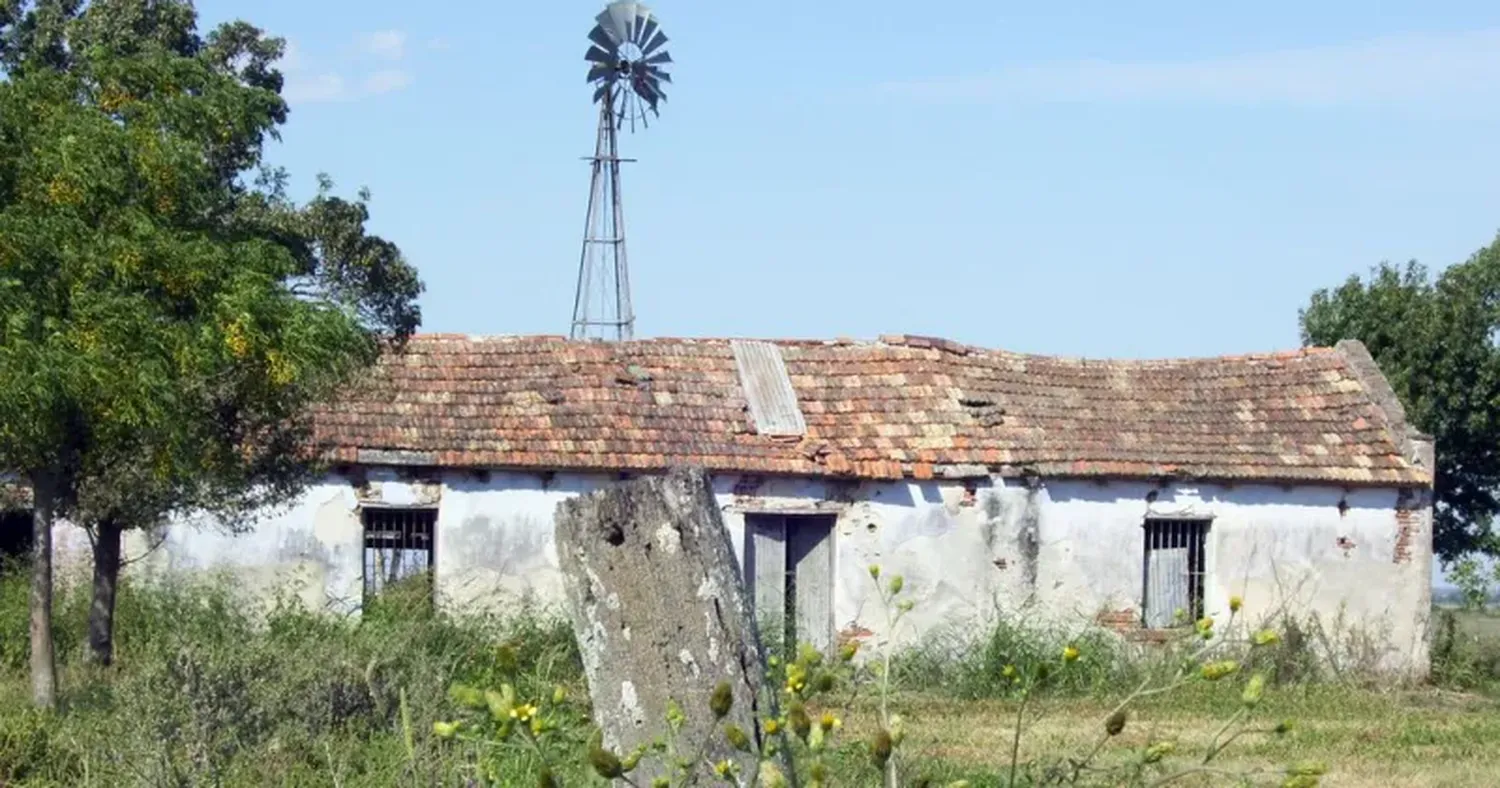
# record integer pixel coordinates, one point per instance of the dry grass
(1409, 738)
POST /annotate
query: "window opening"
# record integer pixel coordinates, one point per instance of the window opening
(1174, 571)
(398, 546)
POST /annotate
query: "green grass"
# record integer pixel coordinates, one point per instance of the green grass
(206, 694)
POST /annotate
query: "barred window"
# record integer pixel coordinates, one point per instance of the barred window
(1174, 571)
(398, 545)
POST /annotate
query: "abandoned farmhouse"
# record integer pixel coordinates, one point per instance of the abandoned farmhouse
(1119, 493)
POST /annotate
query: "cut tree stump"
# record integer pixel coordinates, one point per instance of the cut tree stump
(661, 615)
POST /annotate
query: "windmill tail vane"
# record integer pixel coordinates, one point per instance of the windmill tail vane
(628, 64)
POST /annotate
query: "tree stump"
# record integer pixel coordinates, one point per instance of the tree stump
(661, 615)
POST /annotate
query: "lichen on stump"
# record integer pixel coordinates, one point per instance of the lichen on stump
(661, 615)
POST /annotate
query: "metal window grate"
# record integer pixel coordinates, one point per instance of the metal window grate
(1174, 571)
(398, 545)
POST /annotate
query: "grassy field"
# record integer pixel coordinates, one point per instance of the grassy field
(1426, 737)
(204, 695)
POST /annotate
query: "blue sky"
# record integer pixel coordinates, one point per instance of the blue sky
(1083, 179)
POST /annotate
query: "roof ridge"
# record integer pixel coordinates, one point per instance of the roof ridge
(889, 340)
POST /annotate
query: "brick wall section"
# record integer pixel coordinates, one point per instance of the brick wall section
(1406, 522)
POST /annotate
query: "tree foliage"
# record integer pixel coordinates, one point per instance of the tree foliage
(168, 314)
(1434, 338)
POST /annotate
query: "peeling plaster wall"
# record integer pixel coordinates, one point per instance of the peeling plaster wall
(1064, 549)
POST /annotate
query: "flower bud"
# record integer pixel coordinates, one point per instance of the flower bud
(880, 748)
(897, 583)
(1160, 750)
(1235, 603)
(606, 764)
(721, 701)
(1214, 671)
(1115, 723)
(1254, 688)
(737, 738)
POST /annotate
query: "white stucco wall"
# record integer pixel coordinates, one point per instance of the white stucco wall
(1065, 549)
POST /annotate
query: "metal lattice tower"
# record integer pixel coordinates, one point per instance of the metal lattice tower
(628, 67)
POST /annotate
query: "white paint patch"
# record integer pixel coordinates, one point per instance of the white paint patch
(612, 601)
(668, 539)
(631, 705)
(713, 642)
(708, 589)
(686, 658)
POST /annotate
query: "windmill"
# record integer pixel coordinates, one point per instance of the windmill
(627, 67)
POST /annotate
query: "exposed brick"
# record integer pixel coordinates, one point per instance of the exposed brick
(1406, 523)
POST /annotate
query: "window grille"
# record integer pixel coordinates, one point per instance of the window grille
(398, 545)
(1174, 571)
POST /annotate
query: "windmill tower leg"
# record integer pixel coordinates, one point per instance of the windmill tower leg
(601, 304)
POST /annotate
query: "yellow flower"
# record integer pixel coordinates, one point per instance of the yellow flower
(829, 722)
(523, 712)
(1070, 654)
(1235, 603)
(770, 727)
(1008, 671)
(723, 768)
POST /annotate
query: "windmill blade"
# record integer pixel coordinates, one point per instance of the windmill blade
(601, 91)
(645, 30)
(607, 24)
(657, 73)
(603, 42)
(657, 41)
(602, 57)
(648, 93)
(664, 57)
(623, 15)
(600, 71)
(652, 92)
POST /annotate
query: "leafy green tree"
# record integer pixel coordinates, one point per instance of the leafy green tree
(166, 320)
(1434, 338)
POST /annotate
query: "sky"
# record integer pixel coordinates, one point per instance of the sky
(1085, 179)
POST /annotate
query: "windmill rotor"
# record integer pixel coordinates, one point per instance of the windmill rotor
(628, 63)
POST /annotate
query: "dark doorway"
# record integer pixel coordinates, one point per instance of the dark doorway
(15, 537)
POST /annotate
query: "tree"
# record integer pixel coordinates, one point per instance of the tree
(167, 322)
(1434, 338)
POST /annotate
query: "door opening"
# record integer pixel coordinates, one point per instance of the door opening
(789, 570)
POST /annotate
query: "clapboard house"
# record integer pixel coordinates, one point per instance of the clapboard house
(1109, 492)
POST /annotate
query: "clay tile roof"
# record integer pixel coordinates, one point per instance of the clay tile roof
(901, 407)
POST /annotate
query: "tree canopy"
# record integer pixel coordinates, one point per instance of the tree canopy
(1434, 338)
(168, 314)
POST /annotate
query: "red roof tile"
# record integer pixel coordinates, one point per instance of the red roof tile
(901, 407)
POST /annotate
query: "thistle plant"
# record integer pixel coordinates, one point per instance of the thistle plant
(505, 734)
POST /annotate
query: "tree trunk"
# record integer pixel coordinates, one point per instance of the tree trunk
(106, 585)
(661, 615)
(43, 659)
